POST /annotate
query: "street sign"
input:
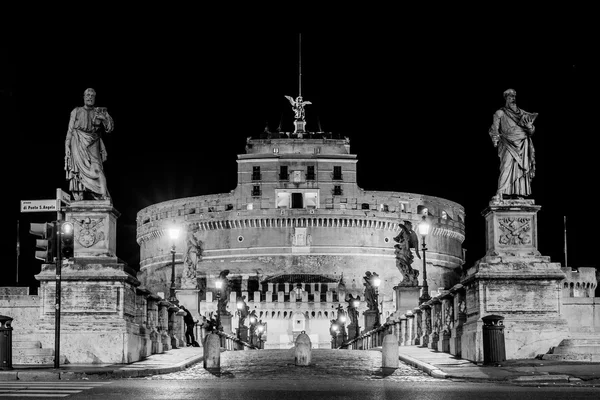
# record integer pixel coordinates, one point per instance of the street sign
(63, 196)
(38, 205)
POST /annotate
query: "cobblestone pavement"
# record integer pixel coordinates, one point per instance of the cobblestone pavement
(279, 364)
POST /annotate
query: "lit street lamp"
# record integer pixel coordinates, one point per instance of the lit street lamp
(341, 321)
(260, 328)
(333, 330)
(174, 235)
(423, 228)
(376, 283)
(252, 320)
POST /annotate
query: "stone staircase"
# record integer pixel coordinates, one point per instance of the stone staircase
(30, 352)
(576, 349)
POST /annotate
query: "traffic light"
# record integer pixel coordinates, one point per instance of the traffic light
(47, 244)
(66, 239)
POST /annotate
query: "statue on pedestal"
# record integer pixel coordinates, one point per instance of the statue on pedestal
(298, 107)
(370, 290)
(352, 310)
(405, 242)
(84, 150)
(224, 298)
(511, 133)
(193, 255)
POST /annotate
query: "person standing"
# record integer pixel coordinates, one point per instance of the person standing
(190, 322)
(511, 133)
(84, 149)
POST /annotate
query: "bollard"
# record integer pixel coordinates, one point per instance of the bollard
(5, 342)
(389, 352)
(302, 350)
(212, 351)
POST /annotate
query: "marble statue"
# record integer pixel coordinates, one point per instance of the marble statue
(370, 290)
(225, 293)
(84, 150)
(406, 240)
(244, 311)
(298, 107)
(352, 311)
(193, 255)
(511, 133)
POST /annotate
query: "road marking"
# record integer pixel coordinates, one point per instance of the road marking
(45, 389)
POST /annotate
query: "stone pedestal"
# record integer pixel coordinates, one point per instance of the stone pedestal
(299, 128)
(99, 322)
(226, 323)
(514, 281)
(95, 223)
(189, 299)
(371, 319)
(407, 298)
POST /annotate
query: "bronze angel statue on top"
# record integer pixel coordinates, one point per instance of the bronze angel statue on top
(298, 106)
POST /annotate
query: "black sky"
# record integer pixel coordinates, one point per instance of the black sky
(416, 109)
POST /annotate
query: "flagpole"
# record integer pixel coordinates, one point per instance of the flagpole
(300, 64)
(18, 251)
(565, 240)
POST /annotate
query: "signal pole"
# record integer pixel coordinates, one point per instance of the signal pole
(58, 232)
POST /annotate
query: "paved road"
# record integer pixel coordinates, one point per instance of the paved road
(279, 364)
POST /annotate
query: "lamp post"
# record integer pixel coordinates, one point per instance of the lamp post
(423, 228)
(355, 304)
(260, 328)
(174, 235)
(218, 285)
(376, 283)
(240, 306)
(252, 320)
(334, 333)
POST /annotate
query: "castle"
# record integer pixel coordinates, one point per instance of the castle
(296, 220)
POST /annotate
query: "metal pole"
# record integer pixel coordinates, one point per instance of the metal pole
(218, 310)
(565, 227)
(425, 295)
(57, 233)
(18, 252)
(172, 294)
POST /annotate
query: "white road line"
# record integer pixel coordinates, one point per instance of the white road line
(45, 389)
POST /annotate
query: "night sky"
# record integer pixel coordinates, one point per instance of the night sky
(417, 112)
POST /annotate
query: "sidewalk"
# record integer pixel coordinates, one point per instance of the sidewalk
(437, 364)
(170, 361)
(526, 371)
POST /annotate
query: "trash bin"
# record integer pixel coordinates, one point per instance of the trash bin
(5, 342)
(493, 339)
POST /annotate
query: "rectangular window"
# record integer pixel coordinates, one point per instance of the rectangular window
(297, 200)
(337, 190)
(283, 173)
(256, 190)
(337, 172)
(256, 173)
(310, 173)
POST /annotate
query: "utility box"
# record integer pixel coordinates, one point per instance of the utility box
(494, 350)
(5, 342)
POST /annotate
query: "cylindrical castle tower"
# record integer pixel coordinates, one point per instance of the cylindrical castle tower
(296, 218)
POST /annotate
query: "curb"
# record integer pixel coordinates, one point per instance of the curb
(428, 368)
(122, 372)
